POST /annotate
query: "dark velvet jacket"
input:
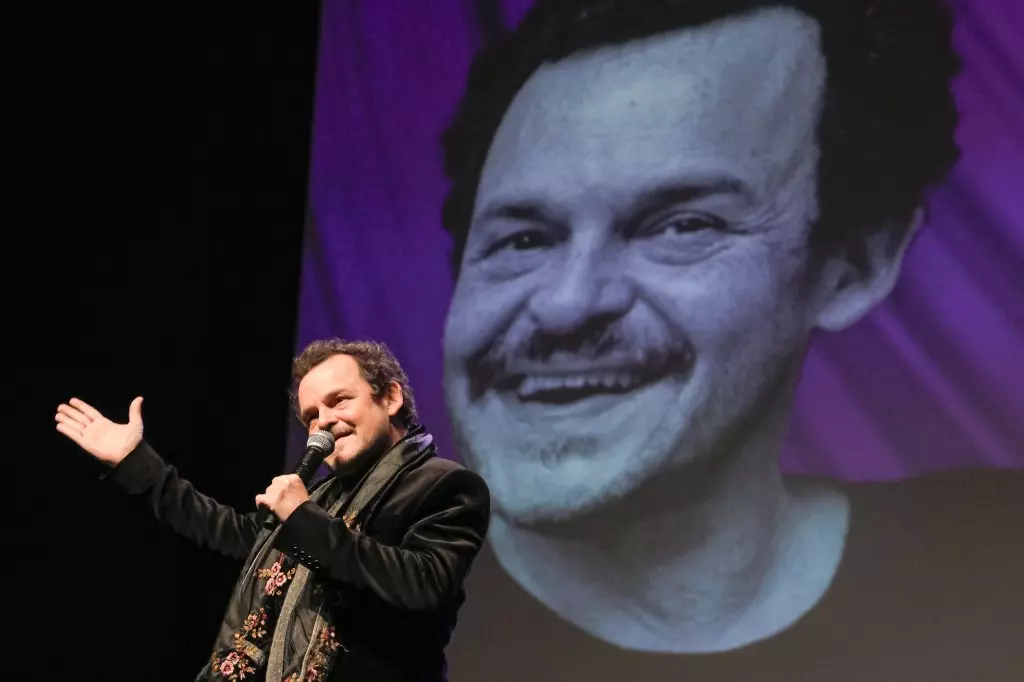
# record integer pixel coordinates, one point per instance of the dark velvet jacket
(402, 576)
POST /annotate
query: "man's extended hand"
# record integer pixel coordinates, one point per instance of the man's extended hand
(103, 439)
(283, 495)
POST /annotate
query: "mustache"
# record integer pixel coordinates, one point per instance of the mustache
(636, 344)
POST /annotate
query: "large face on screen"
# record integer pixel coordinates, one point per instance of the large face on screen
(635, 278)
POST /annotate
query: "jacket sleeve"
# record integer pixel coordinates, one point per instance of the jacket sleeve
(424, 570)
(176, 503)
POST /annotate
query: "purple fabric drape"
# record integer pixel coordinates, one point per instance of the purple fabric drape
(932, 379)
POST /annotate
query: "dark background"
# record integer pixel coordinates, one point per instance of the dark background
(172, 156)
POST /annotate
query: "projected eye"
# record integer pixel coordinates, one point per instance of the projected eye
(681, 237)
(524, 240)
(512, 250)
(678, 225)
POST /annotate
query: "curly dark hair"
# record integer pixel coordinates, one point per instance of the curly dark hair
(886, 130)
(377, 364)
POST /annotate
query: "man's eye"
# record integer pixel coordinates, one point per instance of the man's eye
(678, 224)
(524, 240)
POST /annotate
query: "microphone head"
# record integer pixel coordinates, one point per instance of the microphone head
(323, 441)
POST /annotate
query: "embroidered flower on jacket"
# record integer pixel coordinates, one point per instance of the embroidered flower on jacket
(252, 627)
(321, 660)
(237, 664)
(234, 667)
(276, 578)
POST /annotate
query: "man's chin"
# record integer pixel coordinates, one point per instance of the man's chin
(350, 463)
(332, 462)
(535, 488)
(548, 499)
(342, 462)
(553, 469)
(544, 516)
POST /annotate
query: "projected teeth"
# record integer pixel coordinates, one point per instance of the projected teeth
(536, 386)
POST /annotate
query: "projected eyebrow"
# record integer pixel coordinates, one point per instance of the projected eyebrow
(543, 209)
(524, 210)
(683, 193)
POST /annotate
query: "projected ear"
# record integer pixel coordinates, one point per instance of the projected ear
(864, 274)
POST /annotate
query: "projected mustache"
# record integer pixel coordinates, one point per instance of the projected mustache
(611, 357)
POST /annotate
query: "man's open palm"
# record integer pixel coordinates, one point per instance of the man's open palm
(103, 439)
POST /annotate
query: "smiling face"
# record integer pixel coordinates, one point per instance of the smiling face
(335, 396)
(635, 278)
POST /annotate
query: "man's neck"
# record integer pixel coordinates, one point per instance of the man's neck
(706, 569)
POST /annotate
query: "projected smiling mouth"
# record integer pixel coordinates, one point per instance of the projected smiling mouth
(565, 370)
(571, 382)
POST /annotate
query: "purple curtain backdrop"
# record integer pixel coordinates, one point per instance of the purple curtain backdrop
(932, 379)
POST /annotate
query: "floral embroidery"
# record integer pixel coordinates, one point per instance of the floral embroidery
(234, 666)
(350, 522)
(320, 661)
(247, 652)
(240, 663)
(276, 578)
(253, 627)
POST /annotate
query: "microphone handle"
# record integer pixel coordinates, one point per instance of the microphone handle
(306, 469)
(266, 519)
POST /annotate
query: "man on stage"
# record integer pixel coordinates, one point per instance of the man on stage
(363, 576)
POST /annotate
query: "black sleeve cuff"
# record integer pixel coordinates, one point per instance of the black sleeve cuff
(138, 471)
(306, 536)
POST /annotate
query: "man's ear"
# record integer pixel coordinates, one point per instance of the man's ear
(854, 282)
(394, 397)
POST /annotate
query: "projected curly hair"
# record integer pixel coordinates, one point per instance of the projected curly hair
(887, 104)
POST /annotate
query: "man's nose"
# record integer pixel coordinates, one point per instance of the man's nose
(326, 420)
(589, 286)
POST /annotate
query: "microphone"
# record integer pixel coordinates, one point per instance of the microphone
(318, 446)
